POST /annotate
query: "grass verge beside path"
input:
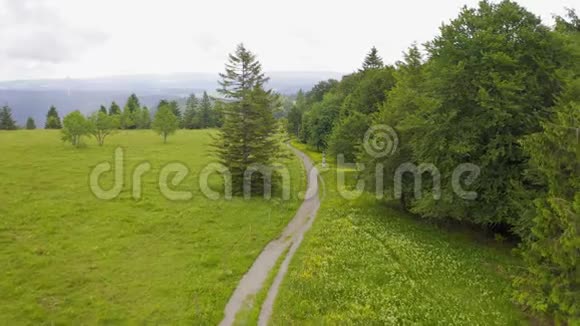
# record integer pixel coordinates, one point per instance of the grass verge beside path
(366, 263)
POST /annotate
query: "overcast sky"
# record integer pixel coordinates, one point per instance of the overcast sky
(81, 38)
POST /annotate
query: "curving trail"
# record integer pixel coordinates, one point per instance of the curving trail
(292, 236)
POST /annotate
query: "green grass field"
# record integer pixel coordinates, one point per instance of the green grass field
(67, 257)
(370, 265)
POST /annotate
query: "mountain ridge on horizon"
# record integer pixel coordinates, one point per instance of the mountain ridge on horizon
(33, 97)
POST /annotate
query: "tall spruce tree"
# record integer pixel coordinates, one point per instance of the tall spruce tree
(247, 136)
(372, 60)
(190, 117)
(133, 104)
(52, 119)
(205, 114)
(114, 109)
(30, 124)
(6, 120)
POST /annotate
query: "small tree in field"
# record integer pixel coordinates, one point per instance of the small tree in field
(165, 122)
(75, 125)
(6, 120)
(30, 124)
(52, 119)
(100, 125)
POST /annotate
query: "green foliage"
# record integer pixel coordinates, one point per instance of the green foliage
(103, 109)
(372, 60)
(30, 124)
(346, 136)
(101, 125)
(52, 119)
(551, 248)
(132, 104)
(6, 120)
(165, 122)
(206, 116)
(191, 116)
(294, 124)
(75, 126)
(114, 109)
(143, 118)
(484, 95)
(131, 117)
(248, 134)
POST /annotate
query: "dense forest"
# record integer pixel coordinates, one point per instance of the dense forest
(496, 88)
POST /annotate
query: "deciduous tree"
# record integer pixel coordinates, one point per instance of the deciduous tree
(165, 122)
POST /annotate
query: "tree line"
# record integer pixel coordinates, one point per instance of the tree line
(495, 88)
(198, 113)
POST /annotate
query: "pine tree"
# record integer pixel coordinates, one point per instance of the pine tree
(145, 118)
(295, 114)
(372, 60)
(247, 136)
(114, 109)
(131, 113)
(30, 124)
(190, 119)
(6, 120)
(205, 113)
(103, 109)
(52, 119)
(132, 104)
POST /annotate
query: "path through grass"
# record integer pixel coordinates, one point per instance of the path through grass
(368, 264)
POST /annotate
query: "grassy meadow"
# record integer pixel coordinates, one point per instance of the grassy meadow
(70, 258)
(362, 263)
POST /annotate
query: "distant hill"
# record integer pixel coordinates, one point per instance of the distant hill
(34, 97)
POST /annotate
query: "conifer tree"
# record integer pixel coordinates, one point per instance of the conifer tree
(145, 121)
(52, 119)
(30, 124)
(205, 114)
(372, 60)
(174, 106)
(133, 104)
(295, 114)
(6, 120)
(190, 119)
(114, 109)
(103, 109)
(247, 136)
